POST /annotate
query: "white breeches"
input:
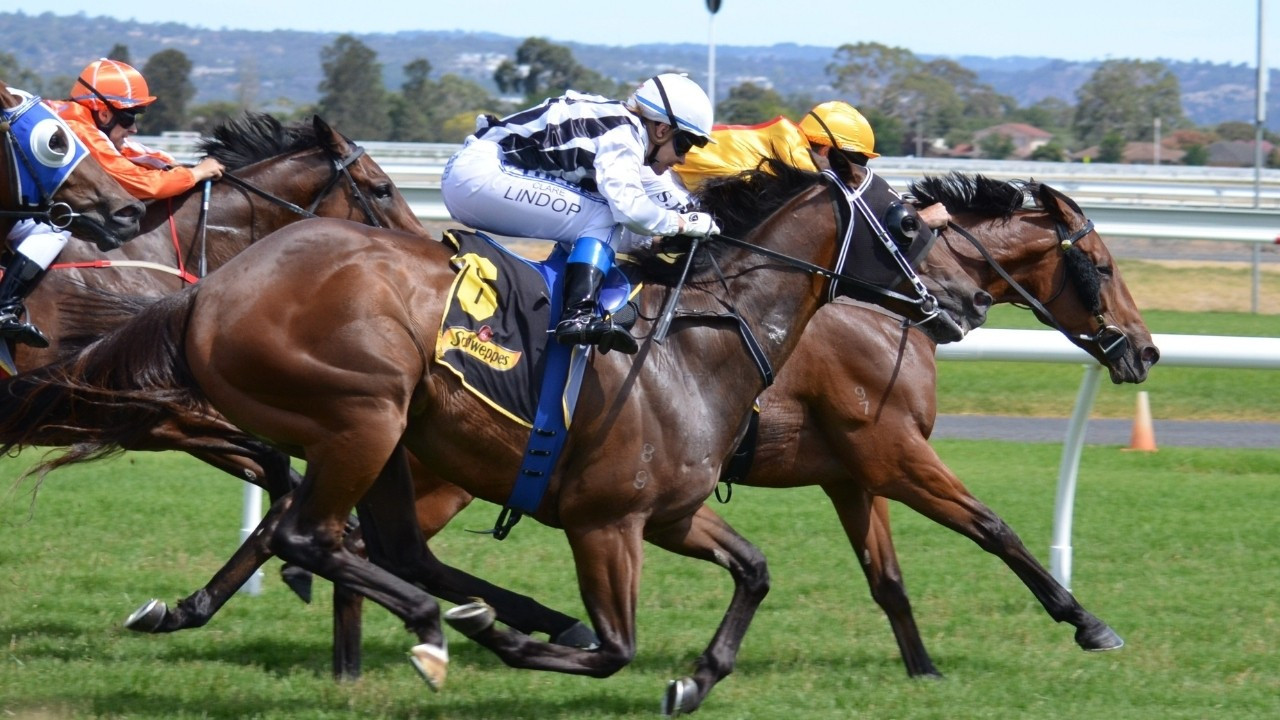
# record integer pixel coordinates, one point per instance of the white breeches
(487, 194)
(41, 243)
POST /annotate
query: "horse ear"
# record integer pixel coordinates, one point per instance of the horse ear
(1056, 204)
(330, 138)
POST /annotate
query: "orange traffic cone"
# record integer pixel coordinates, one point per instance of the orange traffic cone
(1143, 438)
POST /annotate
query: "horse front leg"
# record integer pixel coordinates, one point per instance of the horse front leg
(924, 483)
(866, 523)
(608, 560)
(708, 537)
(438, 502)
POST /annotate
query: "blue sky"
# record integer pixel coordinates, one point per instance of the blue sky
(1218, 31)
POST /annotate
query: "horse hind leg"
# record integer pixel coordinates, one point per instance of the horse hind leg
(865, 519)
(197, 609)
(311, 534)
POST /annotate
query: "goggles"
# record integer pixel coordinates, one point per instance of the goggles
(684, 141)
(126, 118)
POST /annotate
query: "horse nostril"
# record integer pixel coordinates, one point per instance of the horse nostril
(982, 299)
(130, 212)
(1150, 355)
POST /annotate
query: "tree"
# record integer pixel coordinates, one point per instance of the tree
(410, 118)
(996, 146)
(1051, 151)
(542, 69)
(1111, 149)
(16, 76)
(928, 99)
(207, 116)
(749, 104)
(168, 77)
(1236, 131)
(1125, 97)
(352, 96)
(119, 52)
(1195, 155)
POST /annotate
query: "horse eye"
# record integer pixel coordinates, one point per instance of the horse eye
(58, 142)
(1104, 270)
(383, 191)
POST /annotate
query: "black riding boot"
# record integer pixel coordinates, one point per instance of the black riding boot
(580, 325)
(20, 277)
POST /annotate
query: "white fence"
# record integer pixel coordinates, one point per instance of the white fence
(1049, 346)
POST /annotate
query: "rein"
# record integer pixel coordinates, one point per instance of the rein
(1111, 341)
(341, 167)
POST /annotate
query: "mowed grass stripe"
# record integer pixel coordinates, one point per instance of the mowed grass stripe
(1176, 550)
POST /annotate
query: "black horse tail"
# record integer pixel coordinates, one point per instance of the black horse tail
(109, 395)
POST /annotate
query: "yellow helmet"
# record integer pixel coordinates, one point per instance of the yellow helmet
(839, 124)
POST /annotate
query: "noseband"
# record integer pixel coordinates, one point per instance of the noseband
(1110, 340)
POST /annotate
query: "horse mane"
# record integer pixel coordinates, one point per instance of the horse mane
(987, 197)
(253, 137)
(977, 194)
(739, 203)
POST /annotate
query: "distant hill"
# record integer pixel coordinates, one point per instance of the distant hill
(286, 64)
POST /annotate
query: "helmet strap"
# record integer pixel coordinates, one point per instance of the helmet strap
(652, 157)
(110, 125)
(835, 144)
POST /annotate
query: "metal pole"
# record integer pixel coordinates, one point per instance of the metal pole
(1261, 119)
(1156, 146)
(1261, 114)
(711, 61)
(251, 515)
(1064, 503)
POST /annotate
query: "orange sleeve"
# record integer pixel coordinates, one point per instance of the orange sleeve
(144, 183)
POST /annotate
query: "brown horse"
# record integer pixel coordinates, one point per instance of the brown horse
(866, 429)
(95, 206)
(277, 174)
(320, 341)
(858, 426)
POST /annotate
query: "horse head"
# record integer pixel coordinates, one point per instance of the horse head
(46, 173)
(371, 195)
(306, 169)
(1105, 319)
(1049, 256)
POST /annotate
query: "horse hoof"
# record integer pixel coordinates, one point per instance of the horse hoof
(147, 618)
(1099, 639)
(578, 636)
(431, 662)
(680, 697)
(299, 581)
(471, 619)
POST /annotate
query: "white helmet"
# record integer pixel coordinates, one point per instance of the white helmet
(675, 100)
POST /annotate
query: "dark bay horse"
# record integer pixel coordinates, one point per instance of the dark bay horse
(320, 340)
(858, 426)
(34, 146)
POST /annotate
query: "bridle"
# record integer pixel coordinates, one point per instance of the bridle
(843, 199)
(1109, 339)
(341, 170)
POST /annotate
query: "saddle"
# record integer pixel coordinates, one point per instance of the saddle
(496, 337)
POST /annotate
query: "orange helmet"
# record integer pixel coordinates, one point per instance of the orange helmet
(111, 80)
